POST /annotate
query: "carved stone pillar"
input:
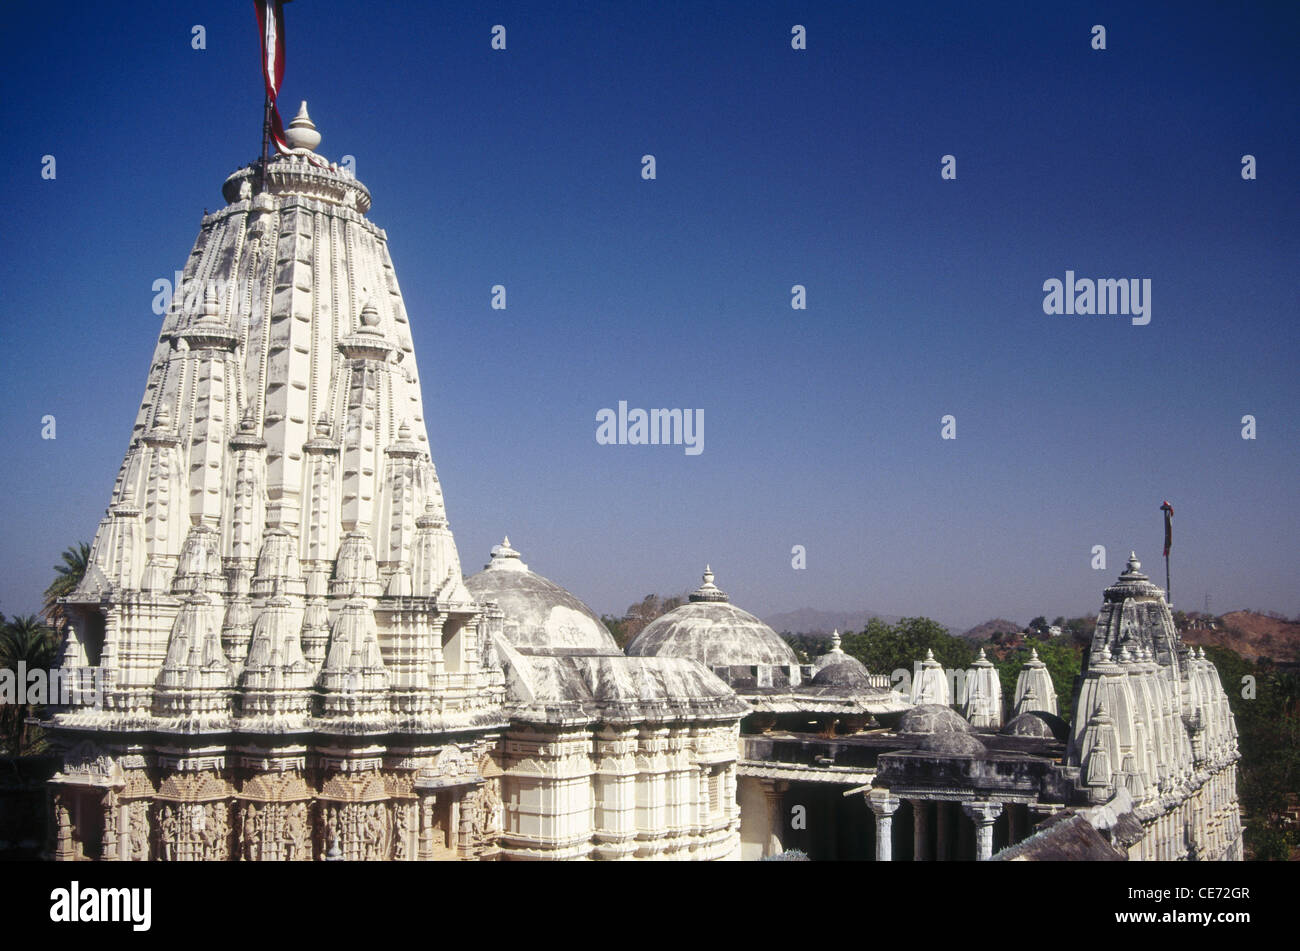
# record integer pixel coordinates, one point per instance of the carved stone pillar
(920, 830)
(109, 851)
(65, 847)
(983, 814)
(773, 792)
(884, 806)
(428, 820)
(462, 821)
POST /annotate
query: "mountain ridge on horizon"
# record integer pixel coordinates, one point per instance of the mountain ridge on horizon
(808, 620)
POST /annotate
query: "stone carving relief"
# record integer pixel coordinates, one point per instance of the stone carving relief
(363, 830)
(485, 812)
(274, 832)
(193, 831)
(138, 831)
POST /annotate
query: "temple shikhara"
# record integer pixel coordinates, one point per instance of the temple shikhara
(278, 656)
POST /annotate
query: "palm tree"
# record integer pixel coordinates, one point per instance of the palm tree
(66, 578)
(26, 641)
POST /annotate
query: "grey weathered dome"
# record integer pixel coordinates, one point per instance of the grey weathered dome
(539, 614)
(838, 669)
(1027, 724)
(930, 718)
(953, 744)
(1037, 723)
(714, 632)
(848, 672)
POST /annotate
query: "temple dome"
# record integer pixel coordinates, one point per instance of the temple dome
(540, 616)
(846, 673)
(838, 669)
(930, 718)
(953, 744)
(713, 631)
(1037, 723)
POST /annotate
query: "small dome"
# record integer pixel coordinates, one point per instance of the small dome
(713, 631)
(953, 744)
(539, 615)
(930, 718)
(848, 672)
(1037, 723)
(838, 669)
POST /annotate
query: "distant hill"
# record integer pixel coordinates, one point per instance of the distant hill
(1252, 635)
(982, 632)
(812, 621)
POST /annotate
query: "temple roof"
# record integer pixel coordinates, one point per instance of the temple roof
(539, 614)
(713, 631)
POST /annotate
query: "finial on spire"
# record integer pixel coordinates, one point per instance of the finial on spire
(302, 133)
(503, 556)
(1133, 563)
(708, 591)
(835, 642)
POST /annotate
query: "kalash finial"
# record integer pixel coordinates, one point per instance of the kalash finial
(708, 591)
(835, 642)
(302, 133)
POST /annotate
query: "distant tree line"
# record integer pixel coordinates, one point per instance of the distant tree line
(638, 615)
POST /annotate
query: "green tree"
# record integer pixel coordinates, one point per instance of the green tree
(639, 615)
(24, 641)
(884, 647)
(617, 627)
(1064, 660)
(1265, 703)
(67, 575)
(1081, 628)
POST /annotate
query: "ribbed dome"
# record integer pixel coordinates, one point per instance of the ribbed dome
(931, 718)
(838, 669)
(953, 744)
(539, 615)
(1036, 723)
(713, 631)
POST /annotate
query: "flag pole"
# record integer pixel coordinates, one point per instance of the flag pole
(1169, 543)
(1169, 589)
(266, 142)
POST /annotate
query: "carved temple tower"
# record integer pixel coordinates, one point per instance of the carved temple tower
(274, 651)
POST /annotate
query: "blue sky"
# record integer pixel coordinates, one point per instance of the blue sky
(775, 167)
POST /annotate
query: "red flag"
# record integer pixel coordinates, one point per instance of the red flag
(1169, 525)
(270, 17)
